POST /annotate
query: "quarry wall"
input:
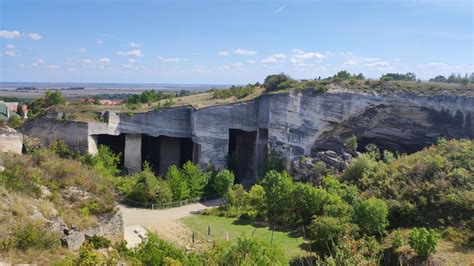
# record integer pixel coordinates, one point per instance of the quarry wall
(294, 124)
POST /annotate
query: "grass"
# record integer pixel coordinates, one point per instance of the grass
(290, 245)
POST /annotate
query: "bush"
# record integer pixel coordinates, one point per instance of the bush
(351, 143)
(325, 231)
(272, 81)
(149, 188)
(61, 149)
(223, 181)
(371, 216)
(177, 183)
(236, 91)
(250, 251)
(423, 241)
(99, 241)
(153, 251)
(195, 178)
(31, 235)
(278, 188)
(87, 256)
(236, 196)
(398, 240)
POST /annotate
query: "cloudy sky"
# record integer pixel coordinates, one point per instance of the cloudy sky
(230, 42)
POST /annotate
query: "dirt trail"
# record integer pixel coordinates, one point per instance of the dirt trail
(164, 222)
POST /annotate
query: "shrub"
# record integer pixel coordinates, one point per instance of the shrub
(250, 251)
(371, 215)
(423, 241)
(153, 251)
(306, 201)
(256, 199)
(177, 183)
(236, 196)
(196, 179)
(99, 241)
(398, 240)
(325, 231)
(87, 256)
(223, 181)
(278, 188)
(272, 81)
(31, 235)
(236, 91)
(351, 143)
(60, 148)
(149, 188)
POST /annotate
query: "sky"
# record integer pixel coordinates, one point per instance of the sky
(231, 42)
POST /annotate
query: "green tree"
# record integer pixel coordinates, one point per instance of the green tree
(371, 215)
(195, 178)
(278, 189)
(223, 181)
(423, 241)
(236, 196)
(150, 188)
(307, 201)
(326, 231)
(178, 185)
(250, 251)
(351, 143)
(272, 81)
(53, 98)
(256, 199)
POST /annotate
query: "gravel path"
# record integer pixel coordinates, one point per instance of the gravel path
(136, 221)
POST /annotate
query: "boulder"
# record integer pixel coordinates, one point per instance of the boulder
(74, 240)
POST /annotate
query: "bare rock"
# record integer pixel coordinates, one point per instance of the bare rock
(74, 240)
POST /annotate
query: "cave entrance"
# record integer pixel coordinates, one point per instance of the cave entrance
(115, 143)
(242, 154)
(163, 151)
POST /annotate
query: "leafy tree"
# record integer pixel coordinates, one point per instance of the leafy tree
(278, 188)
(53, 98)
(272, 81)
(307, 201)
(439, 78)
(256, 198)
(150, 188)
(223, 181)
(326, 231)
(177, 183)
(423, 241)
(371, 215)
(397, 76)
(195, 178)
(106, 161)
(236, 196)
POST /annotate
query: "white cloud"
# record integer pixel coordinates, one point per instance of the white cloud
(252, 61)
(9, 46)
(135, 45)
(99, 41)
(172, 59)
(223, 53)
(5, 34)
(273, 59)
(104, 61)
(71, 69)
(35, 36)
(241, 51)
(37, 63)
(299, 56)
(86, 61)
(10, 53)
(378, 64)
(132, 61)
(82, 50)
(136, 53)
(53, 66)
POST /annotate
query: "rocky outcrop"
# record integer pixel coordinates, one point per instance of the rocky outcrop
(10, 140)
(299, 123)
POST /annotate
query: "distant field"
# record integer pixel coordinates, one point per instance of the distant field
(290, 245)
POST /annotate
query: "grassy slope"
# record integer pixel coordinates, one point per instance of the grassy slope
(290, 245)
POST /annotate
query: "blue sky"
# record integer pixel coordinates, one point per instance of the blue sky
(230, 42)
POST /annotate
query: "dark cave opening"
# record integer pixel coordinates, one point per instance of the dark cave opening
(163, 151)
(241, 154)
(115, 143)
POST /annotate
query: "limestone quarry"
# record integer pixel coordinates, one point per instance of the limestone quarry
(294, 124)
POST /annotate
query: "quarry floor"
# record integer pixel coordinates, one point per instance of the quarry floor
(163, 222)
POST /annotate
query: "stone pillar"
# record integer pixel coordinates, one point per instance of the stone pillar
(92, 144)
(133, 153)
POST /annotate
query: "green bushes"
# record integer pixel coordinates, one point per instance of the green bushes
(234, 91)
(223, 181)
(177, 183)
(248, 251)
(99, 241)
(277, 82)
(423, 241)
(149, 189)
(371, 216)
(31, 235)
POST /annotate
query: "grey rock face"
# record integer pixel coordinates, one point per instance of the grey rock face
(295, 124)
